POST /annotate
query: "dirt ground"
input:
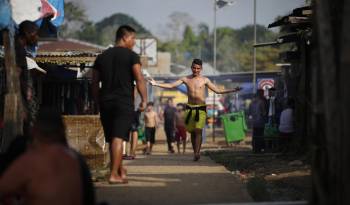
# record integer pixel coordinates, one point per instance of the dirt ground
(268, 176)
(265, 177)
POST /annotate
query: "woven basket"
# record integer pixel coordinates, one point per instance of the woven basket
(85, 135)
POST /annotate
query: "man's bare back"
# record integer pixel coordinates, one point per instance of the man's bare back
(49, 174)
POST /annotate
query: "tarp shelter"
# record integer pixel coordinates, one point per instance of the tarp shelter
(36, 10)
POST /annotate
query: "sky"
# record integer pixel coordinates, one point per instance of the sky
(154, 14)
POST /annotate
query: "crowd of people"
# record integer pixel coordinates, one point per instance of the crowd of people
(268, 113)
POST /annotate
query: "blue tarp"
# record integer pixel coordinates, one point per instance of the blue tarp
(5, 14)
(57, 8)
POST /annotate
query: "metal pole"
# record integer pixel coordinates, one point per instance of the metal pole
(254, 55)
(214, 46)
(214, 65)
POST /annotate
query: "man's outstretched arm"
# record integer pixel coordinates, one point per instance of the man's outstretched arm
(166, 85)
(217, 90)
(140, 85)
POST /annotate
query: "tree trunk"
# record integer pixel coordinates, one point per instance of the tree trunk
(345, 102)
(13, 107)
(331, 128)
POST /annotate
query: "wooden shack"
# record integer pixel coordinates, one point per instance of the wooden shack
(66, 86)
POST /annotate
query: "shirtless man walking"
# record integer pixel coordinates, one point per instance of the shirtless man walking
(150, 126)
(195, 115)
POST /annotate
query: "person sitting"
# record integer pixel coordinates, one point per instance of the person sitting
(49, 172)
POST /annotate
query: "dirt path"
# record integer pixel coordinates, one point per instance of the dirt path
(163, 178)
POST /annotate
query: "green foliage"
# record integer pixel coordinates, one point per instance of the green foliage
(234, 46)
(77, 25)
(74, 18)
(246, 34)
(88, 32)
(227, 46)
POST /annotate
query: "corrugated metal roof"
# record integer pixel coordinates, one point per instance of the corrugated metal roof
(65, 45)
(68, 51)
(66, 58)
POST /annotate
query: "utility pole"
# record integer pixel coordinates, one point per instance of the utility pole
(220, 4)
(214, 65)
(254, 55)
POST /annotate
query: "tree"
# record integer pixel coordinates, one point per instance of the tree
(246, 34)
(190, 44)
(205, 43)
(77, 25)
(74, 18)
(178, 21)
(227, 46)
(108, 26)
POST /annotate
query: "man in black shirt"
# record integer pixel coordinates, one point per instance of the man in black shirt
(117, 68)
(169, 124)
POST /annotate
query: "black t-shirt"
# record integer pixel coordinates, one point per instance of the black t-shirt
(115, 70)
(169, 116)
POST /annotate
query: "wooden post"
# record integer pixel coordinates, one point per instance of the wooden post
(331, 181)
(13, 107)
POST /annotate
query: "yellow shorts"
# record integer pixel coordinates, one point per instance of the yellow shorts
(192, 123)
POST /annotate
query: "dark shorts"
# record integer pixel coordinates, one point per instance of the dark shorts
(135, 122)
(134, 127)
(116, 119)
(150, 134)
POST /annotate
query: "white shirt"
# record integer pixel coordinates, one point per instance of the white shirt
(286, 121)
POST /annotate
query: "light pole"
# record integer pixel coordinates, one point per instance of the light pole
(254, 55)
(214, 29)
(217, 4)
(214, 65)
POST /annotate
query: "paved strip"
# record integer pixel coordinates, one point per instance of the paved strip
(164, 178)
